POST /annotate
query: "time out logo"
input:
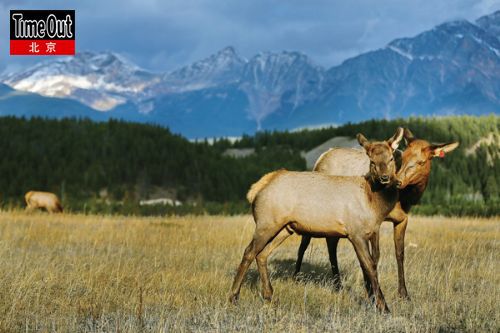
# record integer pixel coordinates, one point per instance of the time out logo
(42, 32)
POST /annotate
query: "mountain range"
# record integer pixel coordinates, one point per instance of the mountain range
(453, 68)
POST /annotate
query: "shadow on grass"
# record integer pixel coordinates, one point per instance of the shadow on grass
(283, 269)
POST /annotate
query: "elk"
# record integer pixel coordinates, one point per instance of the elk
(414, 175)
(46, 200)
(286, 202)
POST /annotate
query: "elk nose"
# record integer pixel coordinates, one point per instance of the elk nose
(384, 178)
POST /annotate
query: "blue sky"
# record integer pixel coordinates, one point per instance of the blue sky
(163, 35)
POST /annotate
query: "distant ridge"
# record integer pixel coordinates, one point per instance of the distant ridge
(451, 69)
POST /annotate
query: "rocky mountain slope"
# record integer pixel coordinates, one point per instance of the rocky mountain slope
(453, 68)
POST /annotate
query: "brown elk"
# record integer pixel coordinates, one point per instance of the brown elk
(284, 202)
(414, 176)
(46, 200)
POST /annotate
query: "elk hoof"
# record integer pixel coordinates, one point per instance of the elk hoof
(298, 277)
(383, 309)
(267, 298)
(403, 294)
(337, 286)
(233, 299)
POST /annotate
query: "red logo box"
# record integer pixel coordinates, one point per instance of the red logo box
(42, 32)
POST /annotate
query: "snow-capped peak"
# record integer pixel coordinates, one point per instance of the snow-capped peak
(443, 41)
(268, 76)
(490, 23)
(223, 67)
(100, 80)
(272, 70)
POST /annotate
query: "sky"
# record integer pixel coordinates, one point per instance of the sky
(164, 35)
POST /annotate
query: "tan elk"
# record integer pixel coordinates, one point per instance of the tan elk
(414, 175)
(45, 200)
(284, 202)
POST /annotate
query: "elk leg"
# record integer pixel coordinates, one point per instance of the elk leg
(399, 242)
(368, 266)
(368, 286)
(30, 208)
(374, 242)
(267, 289)
(332, 243)
(304, 243)
(375, 253)
(259, 241)
(248, 256)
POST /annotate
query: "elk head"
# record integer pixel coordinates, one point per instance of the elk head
(380, 153)
(417, 157)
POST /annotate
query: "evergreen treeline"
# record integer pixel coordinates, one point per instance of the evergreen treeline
(461, 184)
(78, 159)
(110, 166)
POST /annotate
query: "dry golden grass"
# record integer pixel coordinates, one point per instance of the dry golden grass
(73, 273)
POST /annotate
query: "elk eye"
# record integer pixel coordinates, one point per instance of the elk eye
(421, 162)
(392, 159)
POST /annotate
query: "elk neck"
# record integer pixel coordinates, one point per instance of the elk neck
(411, 194)
(382, 197)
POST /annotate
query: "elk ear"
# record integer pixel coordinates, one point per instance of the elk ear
(408, 135)
(439, 150)
(363, 141)
(396, 138)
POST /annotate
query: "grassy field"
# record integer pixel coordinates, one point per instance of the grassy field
(73, 273)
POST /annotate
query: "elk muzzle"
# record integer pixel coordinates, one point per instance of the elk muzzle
(400, 182)
(385, 179)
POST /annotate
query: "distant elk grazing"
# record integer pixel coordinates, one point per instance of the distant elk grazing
(312, 203)
(414, 175)
(43, 200)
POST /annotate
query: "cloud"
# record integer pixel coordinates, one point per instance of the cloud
(163, 35)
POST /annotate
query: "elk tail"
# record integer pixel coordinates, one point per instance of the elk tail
(27, 196)
(261, 183)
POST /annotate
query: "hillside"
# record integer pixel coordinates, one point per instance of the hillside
(117, 162)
